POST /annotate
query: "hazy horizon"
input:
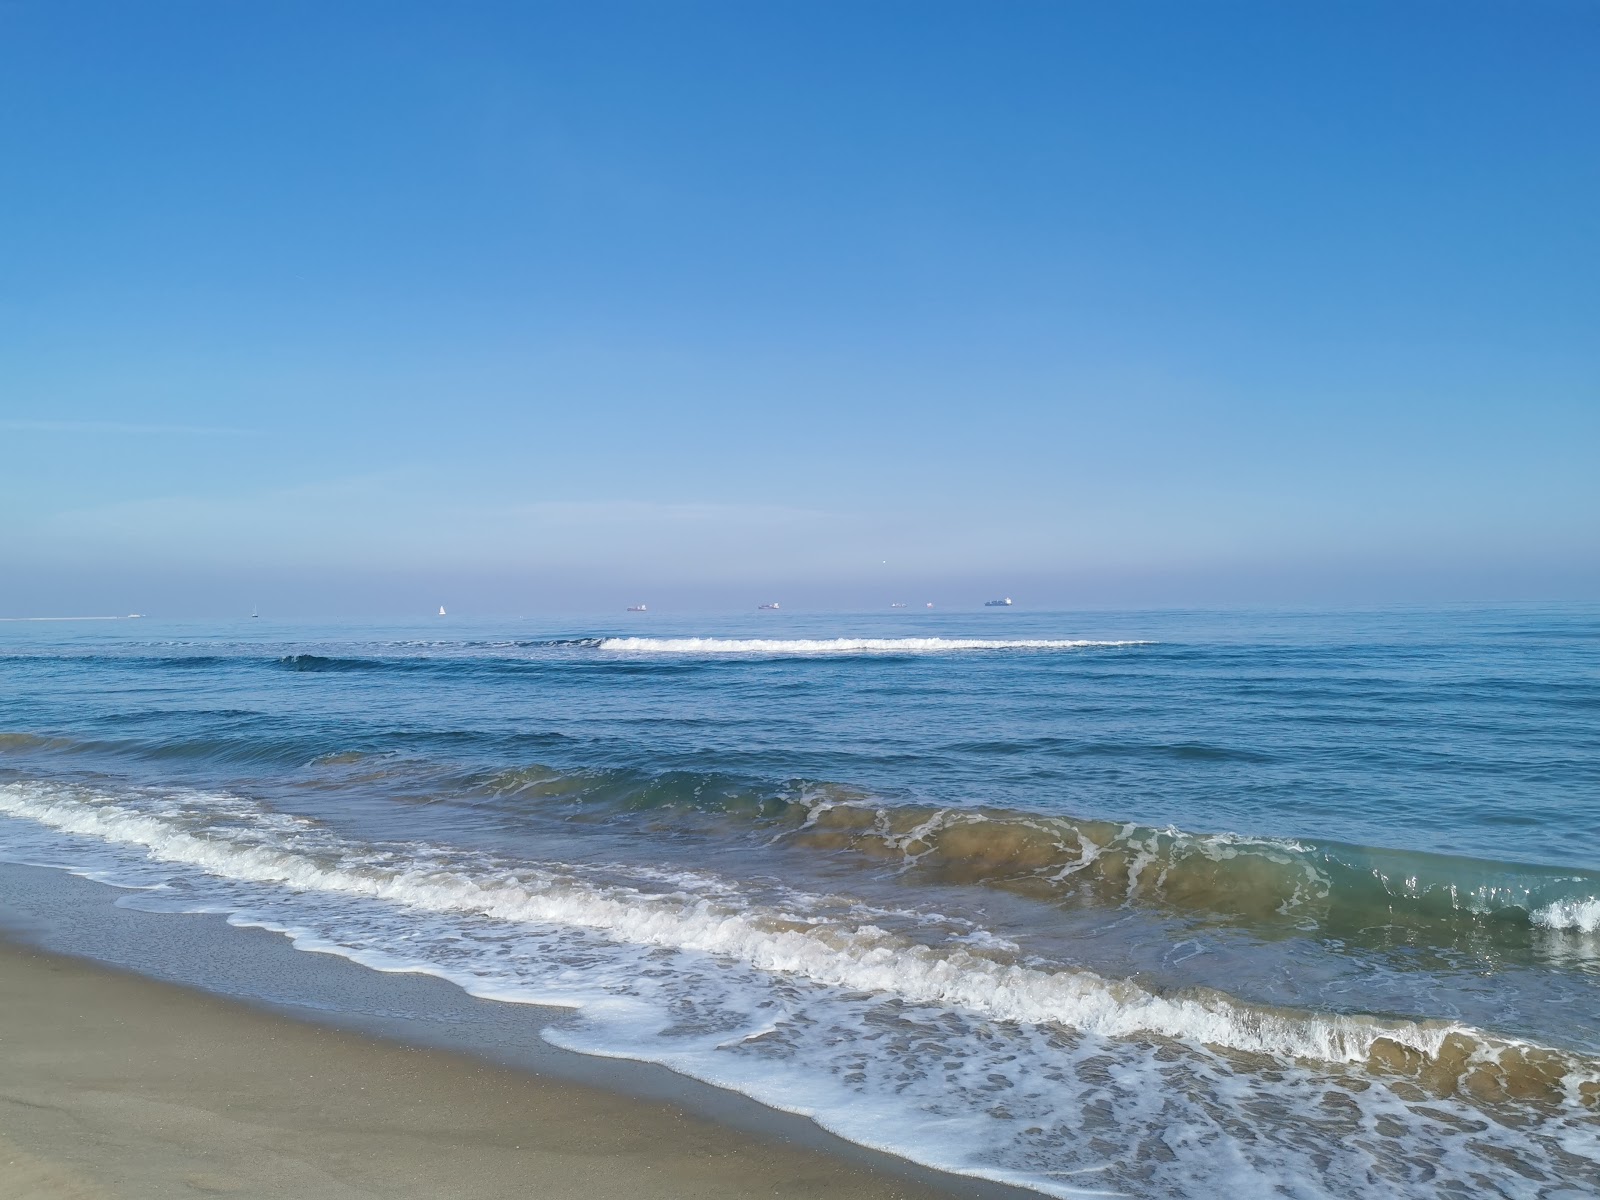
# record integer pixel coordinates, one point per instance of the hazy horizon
(498, 603)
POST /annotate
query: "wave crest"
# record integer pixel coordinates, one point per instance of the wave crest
(1283, 882)
(813, 646)
(1580, 915)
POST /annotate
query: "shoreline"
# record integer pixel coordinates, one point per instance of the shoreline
(120, 1086)
(231, 1063)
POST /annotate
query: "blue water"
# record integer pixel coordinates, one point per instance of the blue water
(1149, 903)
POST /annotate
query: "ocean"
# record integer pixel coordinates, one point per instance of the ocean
(1289, 904)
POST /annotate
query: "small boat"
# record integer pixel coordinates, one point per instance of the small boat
(897, 604)
(773, 607)
(929, 604)
(638, 608)
(441, 610)
(254, 615)
(1004, 603)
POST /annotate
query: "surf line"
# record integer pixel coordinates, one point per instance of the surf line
(126, 617)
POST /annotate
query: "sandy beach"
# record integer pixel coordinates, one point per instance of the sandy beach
(112, 1085)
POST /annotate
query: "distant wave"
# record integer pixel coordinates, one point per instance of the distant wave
(136, 661)
(318, 662)
(449, 653)
(908, 645)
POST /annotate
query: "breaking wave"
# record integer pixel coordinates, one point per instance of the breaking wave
(947, 1045)
(1582, 915)
(810, 646)
(1259, 880)
(238, 840)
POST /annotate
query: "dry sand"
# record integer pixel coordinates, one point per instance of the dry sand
(112, 1085)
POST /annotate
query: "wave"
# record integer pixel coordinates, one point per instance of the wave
(318, 662)
(1582, 915)
(1332, 888)
(25, 742)
(446, 654)
(957, 1053)
(1227, 873)
(147, 661)
(238, 840)
(1373, 895)
(812, 646)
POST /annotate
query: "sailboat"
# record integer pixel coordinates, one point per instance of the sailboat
(254, 615)
(441, 610)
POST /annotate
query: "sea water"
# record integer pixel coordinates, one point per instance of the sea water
(1147, 904)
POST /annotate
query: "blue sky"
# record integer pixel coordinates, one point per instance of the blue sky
(342, 308)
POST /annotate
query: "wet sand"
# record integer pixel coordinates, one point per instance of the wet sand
(114, 1085)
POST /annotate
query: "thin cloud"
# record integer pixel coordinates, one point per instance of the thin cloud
(580, 512)
(120, 427)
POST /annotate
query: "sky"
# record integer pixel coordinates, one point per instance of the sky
(357, 308)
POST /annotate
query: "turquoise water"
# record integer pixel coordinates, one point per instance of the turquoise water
(1137, 903)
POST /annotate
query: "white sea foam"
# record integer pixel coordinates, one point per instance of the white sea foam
(805, 646)
(1582, 916)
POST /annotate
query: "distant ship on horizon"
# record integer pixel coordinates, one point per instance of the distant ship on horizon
(768, 607)
(897, 604)
(638, 608)
(1002, 603)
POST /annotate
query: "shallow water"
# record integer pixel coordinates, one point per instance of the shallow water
(1152, 904)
